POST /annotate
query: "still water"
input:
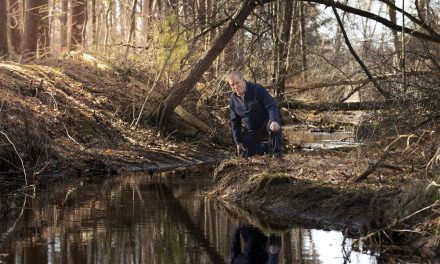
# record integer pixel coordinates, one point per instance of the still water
(307, 139)
(141, 218)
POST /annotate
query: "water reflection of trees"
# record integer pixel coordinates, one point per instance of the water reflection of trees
(129, 220)
(138, 219)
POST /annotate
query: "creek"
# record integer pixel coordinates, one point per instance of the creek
(159, 217)
(143, 218)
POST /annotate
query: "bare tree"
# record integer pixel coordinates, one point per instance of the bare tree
(44, 30)
(79, 18)
(64, 27)
(132, 33)
(108, 24)
(397, 45)
(146, 10)
(282, 39)
(34, 11)
(94, 25)
(16, 24)
(3, 29)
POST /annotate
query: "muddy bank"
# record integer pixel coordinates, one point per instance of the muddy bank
(315, 188)
(67, 117)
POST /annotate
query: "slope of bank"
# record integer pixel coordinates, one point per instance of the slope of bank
(65, 117)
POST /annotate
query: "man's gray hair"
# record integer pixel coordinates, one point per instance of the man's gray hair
(234, 73)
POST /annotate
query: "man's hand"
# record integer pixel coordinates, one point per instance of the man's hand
(274, 126)
(240, 148)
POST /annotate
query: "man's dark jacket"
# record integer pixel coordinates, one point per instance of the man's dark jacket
(255, 112)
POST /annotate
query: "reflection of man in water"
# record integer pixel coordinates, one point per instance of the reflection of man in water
(250, 246)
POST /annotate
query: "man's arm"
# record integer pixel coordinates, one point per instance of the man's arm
(235, 124)
(271, 107)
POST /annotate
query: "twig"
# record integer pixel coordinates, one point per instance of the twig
(21, 160)
(71, 138)
(434, 159)
(436, 203)
(371, 168)
(1, 107)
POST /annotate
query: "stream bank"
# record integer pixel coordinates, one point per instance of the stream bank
(316, 188)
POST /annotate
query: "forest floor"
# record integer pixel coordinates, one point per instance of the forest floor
(70, 118)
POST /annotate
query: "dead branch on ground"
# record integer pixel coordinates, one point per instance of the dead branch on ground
(18, 155)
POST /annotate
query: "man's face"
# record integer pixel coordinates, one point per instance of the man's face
(237, 84)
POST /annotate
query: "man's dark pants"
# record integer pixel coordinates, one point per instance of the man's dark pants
(261, 142)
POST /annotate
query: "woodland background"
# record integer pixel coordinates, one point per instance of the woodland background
(319, 55)
(322, 49)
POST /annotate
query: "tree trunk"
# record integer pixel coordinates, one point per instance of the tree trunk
(44, 30)
(283, 44)
(94, 31)
(396, 41)
(303, 39)
(181, 89)
(294, 39)
(132, 32)
(3, 29)
(32, 23)
(79, 15)
(64, 20)
(145, 17)
(108, 26)
(16, 24)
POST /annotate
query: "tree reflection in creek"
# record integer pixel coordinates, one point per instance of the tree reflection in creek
(138, 218)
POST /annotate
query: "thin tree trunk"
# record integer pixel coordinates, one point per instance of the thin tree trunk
(94, 25)
(64, 20)
(100, 18)
(32, 24)
(108, 26)
(181, 89)
(303, 40)
(396, 41)
(145, 17)
(79, 15)
(132, 32)
(3, 29)
(16, 24)
(44, 31)
(294, 38)
(282, 49)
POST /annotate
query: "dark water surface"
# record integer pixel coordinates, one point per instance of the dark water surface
(138, 218)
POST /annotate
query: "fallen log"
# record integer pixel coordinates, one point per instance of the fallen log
(340, 106)
(361, 81)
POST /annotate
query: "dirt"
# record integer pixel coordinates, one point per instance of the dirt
(65, 118)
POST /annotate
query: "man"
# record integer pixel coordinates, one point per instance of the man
(254, 108)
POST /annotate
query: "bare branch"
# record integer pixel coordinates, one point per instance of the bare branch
(385, 94)
(383, 21)
(16, 152)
